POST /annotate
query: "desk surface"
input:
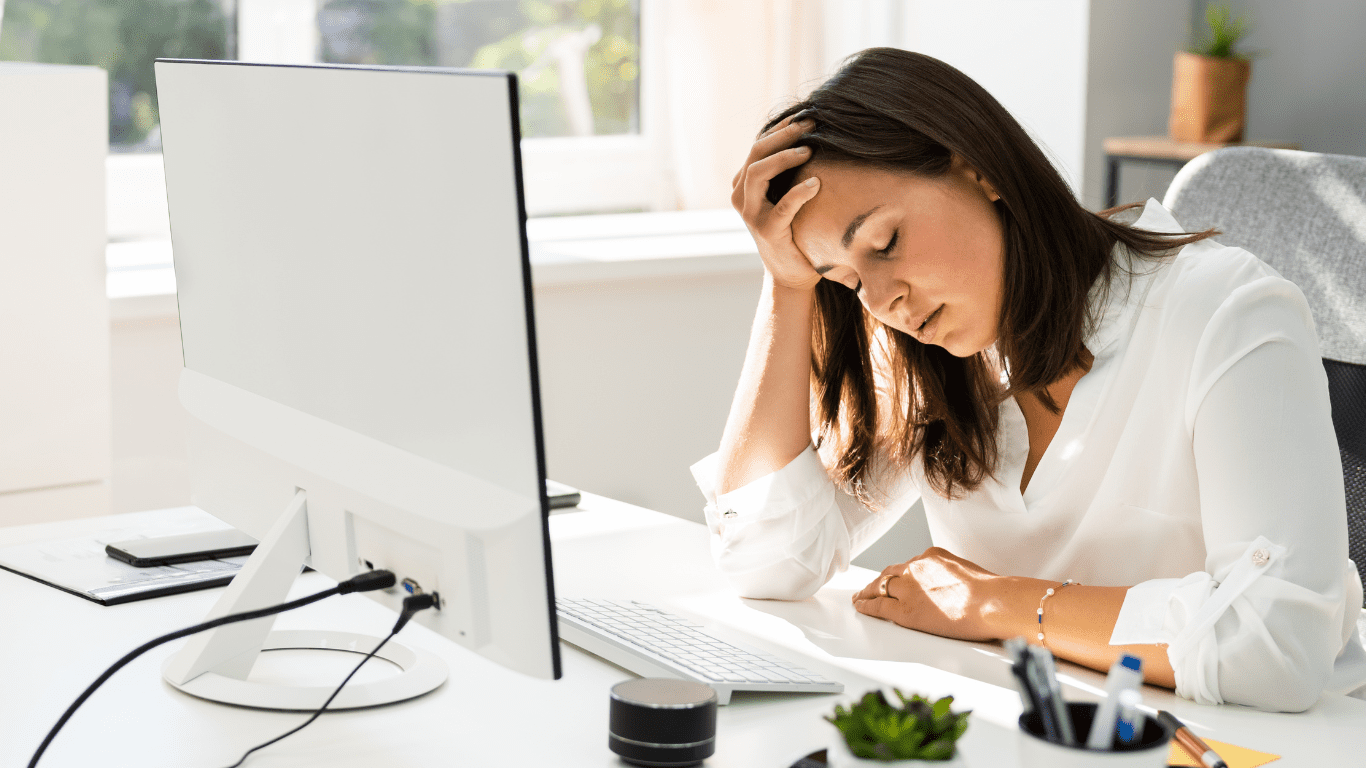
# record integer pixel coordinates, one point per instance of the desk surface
(54, 644)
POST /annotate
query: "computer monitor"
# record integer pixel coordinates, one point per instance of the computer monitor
(360, 360)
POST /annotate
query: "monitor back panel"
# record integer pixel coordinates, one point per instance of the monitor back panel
(348, 242)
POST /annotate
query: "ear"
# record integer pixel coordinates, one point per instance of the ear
(976, 177)
(987, 187)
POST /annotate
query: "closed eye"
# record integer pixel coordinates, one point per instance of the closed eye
(886, 251)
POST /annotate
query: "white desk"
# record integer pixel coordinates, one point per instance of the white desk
(53, 645)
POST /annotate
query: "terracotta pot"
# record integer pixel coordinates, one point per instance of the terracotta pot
(1209, 98)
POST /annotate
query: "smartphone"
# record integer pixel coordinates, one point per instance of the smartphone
(167, 550)
(561, 495)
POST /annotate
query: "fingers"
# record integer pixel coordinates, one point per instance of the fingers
(780, 136)
(776, 141)
(881, 587)
(801, 116)
(786, 209)
(780, 125)
(877, 607)
(758, 174)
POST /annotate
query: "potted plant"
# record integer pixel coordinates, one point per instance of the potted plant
(873, 732)
(1209, 83)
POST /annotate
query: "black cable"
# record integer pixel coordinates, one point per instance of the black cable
(362, 583)
(411, 605)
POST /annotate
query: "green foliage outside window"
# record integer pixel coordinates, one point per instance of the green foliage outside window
(594, 43)
(123, 37)
(519, 35)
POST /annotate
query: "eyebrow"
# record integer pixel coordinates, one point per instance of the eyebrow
(852, 229)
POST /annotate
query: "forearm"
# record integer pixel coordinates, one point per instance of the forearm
(1077, 623)
(770, 423)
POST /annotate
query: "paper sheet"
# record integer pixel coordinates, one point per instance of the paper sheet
(1235, 756)
(80, 565)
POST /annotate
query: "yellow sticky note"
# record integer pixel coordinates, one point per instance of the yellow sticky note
(1236, 757)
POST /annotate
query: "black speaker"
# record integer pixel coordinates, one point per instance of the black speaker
(662, 723)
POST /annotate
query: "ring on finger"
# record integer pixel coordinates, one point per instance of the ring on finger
(882, 585)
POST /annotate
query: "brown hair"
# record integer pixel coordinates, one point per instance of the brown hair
(894, 109)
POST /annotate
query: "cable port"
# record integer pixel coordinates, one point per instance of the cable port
(411, 587)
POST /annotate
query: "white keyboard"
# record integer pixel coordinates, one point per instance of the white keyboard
(654, 643)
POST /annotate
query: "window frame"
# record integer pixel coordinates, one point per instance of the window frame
(561, 176)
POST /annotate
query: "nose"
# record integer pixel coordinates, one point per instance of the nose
(884, 296)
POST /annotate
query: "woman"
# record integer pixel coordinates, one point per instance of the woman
(1120, 431)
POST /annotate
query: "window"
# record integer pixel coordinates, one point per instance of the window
(579, 60)
(123, 37)
(590, 143)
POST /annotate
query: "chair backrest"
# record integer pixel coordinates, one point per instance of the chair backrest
(1305, 215)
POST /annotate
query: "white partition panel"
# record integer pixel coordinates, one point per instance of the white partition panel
(54, 316)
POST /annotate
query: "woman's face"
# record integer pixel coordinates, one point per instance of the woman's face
(925, 255)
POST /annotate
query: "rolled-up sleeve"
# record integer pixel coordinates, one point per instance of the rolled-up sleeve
(1275, 610)
(787, 533)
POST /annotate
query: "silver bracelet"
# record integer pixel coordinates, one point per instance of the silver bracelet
(1045, 597)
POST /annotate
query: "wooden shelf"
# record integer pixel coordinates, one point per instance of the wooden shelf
(1164, 148)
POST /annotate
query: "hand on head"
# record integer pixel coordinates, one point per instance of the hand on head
(770, 224)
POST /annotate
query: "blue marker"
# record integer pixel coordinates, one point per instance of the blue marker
(1129, 729)
(1125, 675)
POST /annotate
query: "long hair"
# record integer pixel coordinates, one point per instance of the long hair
(893, 109)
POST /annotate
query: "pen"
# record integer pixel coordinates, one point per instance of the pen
(1190, 742)
(1015, 649)
(1050, 694)
(1039, 695)
(1055, 694)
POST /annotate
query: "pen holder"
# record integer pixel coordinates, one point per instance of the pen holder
(1036, 751)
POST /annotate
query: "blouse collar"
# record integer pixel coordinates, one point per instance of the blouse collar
(1126, 277)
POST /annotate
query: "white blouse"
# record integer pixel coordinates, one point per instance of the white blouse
(1196, 464)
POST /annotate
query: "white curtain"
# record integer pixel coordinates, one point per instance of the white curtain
(730, 65)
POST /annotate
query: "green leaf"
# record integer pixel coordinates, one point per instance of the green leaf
(960, 726)
(1224, 33)
(941, 707)
(939, 749)
(914, 728)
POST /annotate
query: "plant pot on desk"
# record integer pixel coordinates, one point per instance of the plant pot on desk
(1209, 98)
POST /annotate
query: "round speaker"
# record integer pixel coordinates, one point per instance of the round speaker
(664, 723)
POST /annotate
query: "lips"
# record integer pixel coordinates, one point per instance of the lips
(928, 327)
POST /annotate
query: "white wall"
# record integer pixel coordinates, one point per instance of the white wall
(1030, 54)
(1128, 89)
(637, 377)
(1308, 72)
(150, 465)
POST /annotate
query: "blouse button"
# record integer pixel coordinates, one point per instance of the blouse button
(728, 513)
(1260, 557)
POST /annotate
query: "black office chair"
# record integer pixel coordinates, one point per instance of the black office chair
(1305, 215)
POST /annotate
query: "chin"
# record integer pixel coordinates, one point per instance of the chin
(959, 348)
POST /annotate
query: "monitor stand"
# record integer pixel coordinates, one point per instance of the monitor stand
(214, 665)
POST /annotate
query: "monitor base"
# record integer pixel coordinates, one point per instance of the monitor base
(422, 673)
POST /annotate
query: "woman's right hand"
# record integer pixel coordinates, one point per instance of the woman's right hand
(771, 225)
